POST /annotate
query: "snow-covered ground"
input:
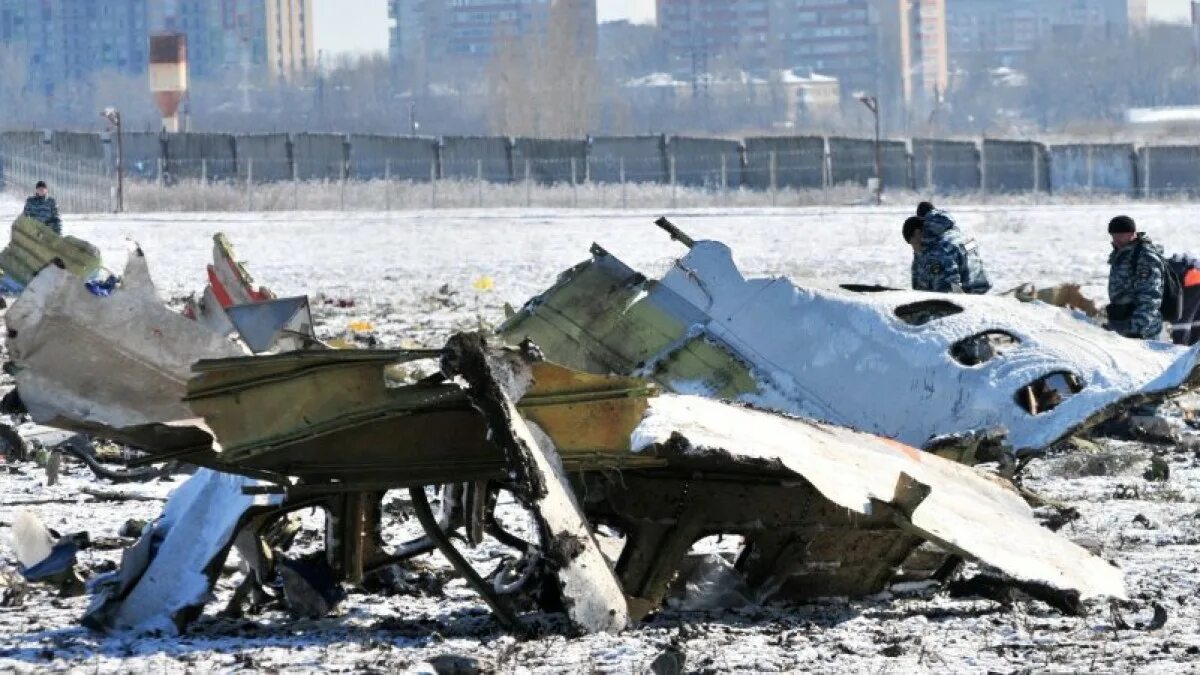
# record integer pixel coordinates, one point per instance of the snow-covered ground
(417, 276)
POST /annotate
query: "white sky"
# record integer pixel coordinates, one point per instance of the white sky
(361, 26)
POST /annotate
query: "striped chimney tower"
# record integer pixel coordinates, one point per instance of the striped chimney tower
(168, 75)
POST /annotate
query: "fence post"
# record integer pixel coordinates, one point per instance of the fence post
(672, 167)
(342, 193)
(826, 165)
(528, 185)
(204, 171)
(1146, 175)
(574, 186)
(159, 164)
(433, 180)
(930, 188)
(772, 169)
(1091, 183)
(724, 181)
(250, 184)
(624, 200)
(387, 184)
(479, 182)
(1037, 170)
(295, 186)
(983, 173)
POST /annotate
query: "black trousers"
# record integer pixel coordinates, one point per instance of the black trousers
(1187, 331)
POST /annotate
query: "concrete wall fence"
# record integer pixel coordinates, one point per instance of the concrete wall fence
(755, 163)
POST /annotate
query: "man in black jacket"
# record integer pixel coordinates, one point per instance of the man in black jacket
(42, 208)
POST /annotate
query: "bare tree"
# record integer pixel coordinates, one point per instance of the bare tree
(545, 83)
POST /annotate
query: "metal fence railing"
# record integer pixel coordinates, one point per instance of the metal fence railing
(745, 176)
(79, 185)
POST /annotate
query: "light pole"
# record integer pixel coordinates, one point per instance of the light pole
(873, 105)
(114, 118)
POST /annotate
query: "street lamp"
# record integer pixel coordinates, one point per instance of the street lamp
(873, 105)
(114, 118)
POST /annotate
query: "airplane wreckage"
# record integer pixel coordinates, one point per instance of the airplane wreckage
(662, 411)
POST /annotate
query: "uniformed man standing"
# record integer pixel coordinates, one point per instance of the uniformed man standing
(41, 207)
(947, 261)
(1135, 282)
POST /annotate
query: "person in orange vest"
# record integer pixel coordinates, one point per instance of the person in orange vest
(1186, 331)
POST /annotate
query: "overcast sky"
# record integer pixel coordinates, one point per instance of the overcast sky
(360, 26)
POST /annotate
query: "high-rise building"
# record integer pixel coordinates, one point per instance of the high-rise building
(1000, 32)
(467, 32)
(242, 35)
(291, 53)
(893, 49)
(931, 61)
(65, 40)
(699, 33)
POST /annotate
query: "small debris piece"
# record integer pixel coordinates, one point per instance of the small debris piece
(11, 443)
(1156, 622)
(1159, 471)
(52, 466)
(309, 587)
(132, 528)
(456, 664)
(892, 651)
(166, 577)
(13, 588)
(1004, 592)
(31, 540)
(1142, 520)
(1054, 517)
(671, 661)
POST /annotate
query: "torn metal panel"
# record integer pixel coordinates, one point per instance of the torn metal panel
(961, 509)
(591, 593)
(281, 325)
(229, 285)
(283, 413)
(882, 362)
(228, 278)
(88, 363)
(826, 511)
(34, 245)
(166, 578)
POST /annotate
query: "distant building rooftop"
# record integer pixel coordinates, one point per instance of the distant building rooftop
(1163, 115)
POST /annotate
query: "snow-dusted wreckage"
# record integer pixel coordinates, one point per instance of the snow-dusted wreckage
(912, 366)
(824, 511)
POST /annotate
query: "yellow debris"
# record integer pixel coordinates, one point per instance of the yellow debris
(484, 284)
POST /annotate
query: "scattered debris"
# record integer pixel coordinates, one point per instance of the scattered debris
(33, 246)
(30, 539)
(882, 362)
(229, 285)
(862, 504)
(43, 558)
(13, 588)
(821, 510)
(165, 578)
(12, 445)
(670, 661)
(88, 364)
(1156, 622)
(309, 586)
(1159, 471)
(1004, 591)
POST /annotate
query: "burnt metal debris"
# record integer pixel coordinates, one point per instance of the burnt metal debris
(629, 418)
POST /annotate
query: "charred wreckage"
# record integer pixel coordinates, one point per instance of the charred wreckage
(835, 429)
